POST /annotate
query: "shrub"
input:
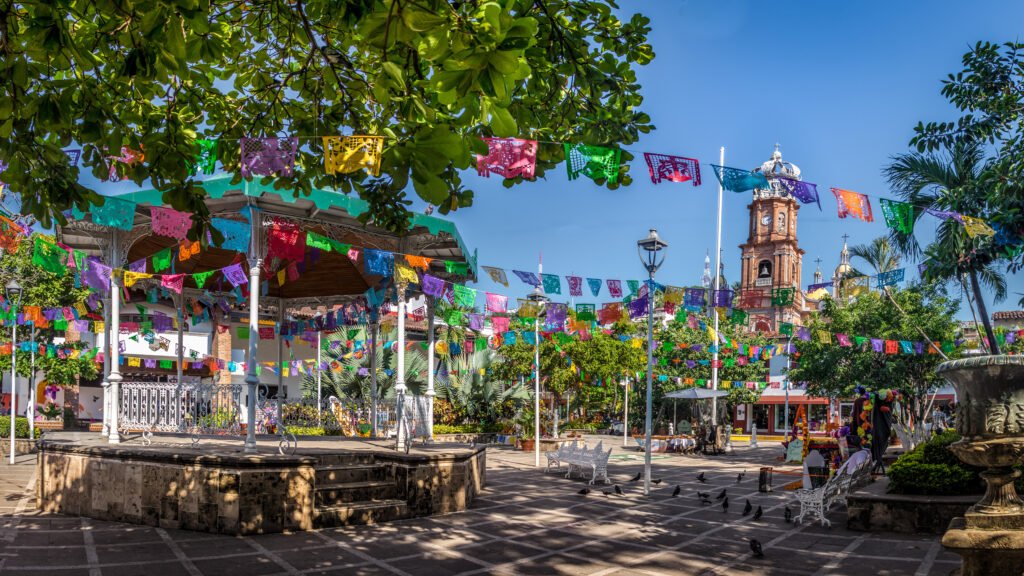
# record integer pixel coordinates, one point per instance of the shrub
(457, 428)
(307, 430)
(20, 427)
(932, 469)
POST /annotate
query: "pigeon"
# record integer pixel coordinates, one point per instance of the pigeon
(789, 514)
(741, 475)
(584, 492)
(720, 495)
(705, 501)
(606, 492)
(618, 490)
(703, 495)
(747, 508)
(758, 513)
(658, 481)
(755, 547)
(739, 478)
(701, 478)
(725, 505)
(637, 478)
(677, 490)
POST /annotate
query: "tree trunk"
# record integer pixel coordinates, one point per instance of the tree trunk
(983, 312)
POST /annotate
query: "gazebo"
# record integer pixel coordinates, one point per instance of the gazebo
(269, 268)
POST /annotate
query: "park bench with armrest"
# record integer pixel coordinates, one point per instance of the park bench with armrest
(594, 461)
(816, 502)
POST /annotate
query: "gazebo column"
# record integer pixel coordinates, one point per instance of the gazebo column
(106, 358)
(400, 378)
(114, 377)
(374, 326)
(430, 366)
(282, 392)
(181, 359)
(256, 251)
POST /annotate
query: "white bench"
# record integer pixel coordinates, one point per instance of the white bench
(593, 461)
(564, 452)
(816, 502)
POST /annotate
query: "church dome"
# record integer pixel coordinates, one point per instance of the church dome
(774, 169)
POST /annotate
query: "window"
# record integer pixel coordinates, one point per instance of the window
(764, 269)
(780, 411)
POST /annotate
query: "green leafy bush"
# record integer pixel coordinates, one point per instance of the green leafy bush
(457, 428)
(932, 469)
(20, 427)
(581, 425)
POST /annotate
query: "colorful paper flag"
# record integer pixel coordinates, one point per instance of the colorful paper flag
(805, 192)
(267, 156)
(595, 162)
(899, 216)
(672, 168)
(853, 204)
(508, 158)
(347, 154)
(738, 180)
(497, 275)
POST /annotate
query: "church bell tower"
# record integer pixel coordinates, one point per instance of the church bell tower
(771, 256)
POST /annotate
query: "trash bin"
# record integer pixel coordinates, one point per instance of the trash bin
(764, 479)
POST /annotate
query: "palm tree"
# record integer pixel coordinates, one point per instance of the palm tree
(948, 182)
(470, 388)
(353, 380)
(878, 254)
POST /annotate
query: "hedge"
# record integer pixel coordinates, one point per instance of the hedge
(932, 469)
(20, 427)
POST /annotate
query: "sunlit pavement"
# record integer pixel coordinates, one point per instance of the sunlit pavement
(525, 522)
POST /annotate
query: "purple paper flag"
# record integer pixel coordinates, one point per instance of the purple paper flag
(432, 286)
(1011, 337)
(235, 274)
(944, 215)
(694, 297)
(722, 298)
(805, 192)
(476, 321)
(268, 156)
(638, 307)
(556, 314)
(803, 333)
(918, 348)
(527, 277)
(138, 266)
(877, 345)
(97, 275)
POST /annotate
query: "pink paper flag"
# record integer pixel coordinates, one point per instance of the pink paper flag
(496, 302)
(353, 255)
(615, 288)
(170, 223)
(575, 285)
(173, 282)
(843, 339)
(500, 324)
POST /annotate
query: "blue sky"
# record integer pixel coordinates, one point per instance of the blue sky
(838, 85)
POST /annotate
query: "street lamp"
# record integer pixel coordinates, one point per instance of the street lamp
(540, 300)
(13, 290)
(648, 250)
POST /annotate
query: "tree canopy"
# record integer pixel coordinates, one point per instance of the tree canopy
(835, 371)
(432, 76)
(989, 93)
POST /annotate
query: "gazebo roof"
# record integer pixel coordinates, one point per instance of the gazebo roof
(332, 214)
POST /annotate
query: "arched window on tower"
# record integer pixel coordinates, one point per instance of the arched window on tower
(764, 269)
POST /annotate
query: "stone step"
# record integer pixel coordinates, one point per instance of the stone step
(338, 473)
(347, 459)
(357, 513)
(349, 492)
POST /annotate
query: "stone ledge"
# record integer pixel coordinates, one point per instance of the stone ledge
(184, 456)
(872, 509)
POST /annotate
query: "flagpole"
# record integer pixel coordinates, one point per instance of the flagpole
(718, 274)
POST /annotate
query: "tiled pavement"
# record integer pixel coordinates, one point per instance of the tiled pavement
(525, 522)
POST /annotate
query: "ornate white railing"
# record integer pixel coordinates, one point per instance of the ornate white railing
(195, 409)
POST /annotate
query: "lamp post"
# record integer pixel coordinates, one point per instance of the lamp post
(14, 296)
(538, 298)
(648, 250)
(625, 413)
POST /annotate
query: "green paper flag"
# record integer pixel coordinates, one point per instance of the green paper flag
(454, 317)
(860, 340)
(166, 364)
(898, 215)
(680, 315)
(205, 161)
(314, 240)
(49, 256)
(595, 162)
(459, 268)
(586, 312)
(60, 325)
(202, 277)
(242, 332)
(739, 317)
(786, 328)
(162, 260)
(633, 285)
(464, 296)
(782, 296)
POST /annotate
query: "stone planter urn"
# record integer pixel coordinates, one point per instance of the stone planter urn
(990, 419)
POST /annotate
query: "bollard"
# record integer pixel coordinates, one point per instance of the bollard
(764, 479)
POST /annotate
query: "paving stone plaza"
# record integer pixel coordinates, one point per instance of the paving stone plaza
(524, 522)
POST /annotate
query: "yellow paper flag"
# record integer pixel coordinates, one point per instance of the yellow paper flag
(977, 227)
(344, 154)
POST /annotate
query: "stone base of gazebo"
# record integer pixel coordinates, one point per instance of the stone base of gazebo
(215, 487)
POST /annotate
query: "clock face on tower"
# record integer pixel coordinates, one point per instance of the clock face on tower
(766, 219)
